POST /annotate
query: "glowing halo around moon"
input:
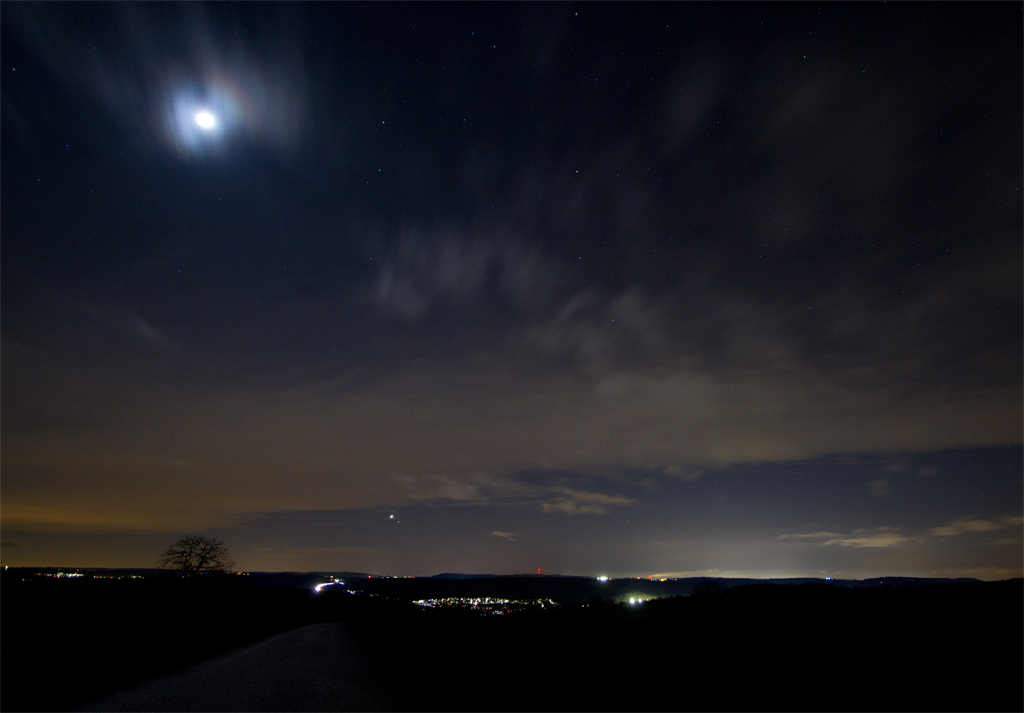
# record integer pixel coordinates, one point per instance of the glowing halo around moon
(200, 122)
(220, 109)
(206, 120)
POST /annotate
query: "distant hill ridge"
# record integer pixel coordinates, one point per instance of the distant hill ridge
(727, 582)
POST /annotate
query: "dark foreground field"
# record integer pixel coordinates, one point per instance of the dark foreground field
(761, 647)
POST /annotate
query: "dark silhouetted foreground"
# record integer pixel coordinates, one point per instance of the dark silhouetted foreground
(95, 644)
(312, 668)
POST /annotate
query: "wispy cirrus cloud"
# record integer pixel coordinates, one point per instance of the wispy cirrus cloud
(862, 537)
(965, 526)
(510, 536)
(574, 502)
(809, 535)
(478, 488)
(890, 537)
(880, 537)
(427, 270)
(486, 489)
(148, 332)
(113, 319)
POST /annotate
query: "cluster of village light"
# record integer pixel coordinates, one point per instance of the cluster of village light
(487, 605)
(61, 574)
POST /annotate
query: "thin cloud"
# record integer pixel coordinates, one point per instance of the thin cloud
(575, 502)
(882, 538)
(964, 526)
(443, 487)
(148, 332)
(485, 489)
(510, 536)
(864, 537)
(451, 270)
(809, 535)
(687, 475)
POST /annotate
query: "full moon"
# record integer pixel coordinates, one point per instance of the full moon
(206, 120)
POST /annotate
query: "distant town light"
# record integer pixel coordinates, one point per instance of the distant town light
(602, 579)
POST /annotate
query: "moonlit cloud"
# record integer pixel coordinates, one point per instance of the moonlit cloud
(575, 502)
(965, 526)
(881, 537)
(510, 536)
(449, 270)
(862, 537)
(810, 535)
(148, 332)
(198, 122)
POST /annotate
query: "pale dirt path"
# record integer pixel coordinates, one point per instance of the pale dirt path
(314, 668)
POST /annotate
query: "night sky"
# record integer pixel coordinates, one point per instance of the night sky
(625, 290)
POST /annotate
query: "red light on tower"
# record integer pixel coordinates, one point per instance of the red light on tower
(538, 570)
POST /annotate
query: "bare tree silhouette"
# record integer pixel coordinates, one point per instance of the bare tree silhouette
(195, 554)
